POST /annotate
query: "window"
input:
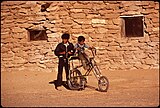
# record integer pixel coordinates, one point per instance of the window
(35, 35)
(132, 26)
(45, 6)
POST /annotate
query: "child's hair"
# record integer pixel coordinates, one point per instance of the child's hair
(65, 36)
(81, 38)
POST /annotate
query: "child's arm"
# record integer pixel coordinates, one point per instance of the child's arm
(62, 52)
(57, 51)
(71, 52)
(76, 47)
(86, 46)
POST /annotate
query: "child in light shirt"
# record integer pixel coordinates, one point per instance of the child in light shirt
(80, 47)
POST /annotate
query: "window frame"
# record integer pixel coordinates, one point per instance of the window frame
(123, 30)
(31, 30)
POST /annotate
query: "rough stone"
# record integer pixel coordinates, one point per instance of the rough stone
(149, 61)
(100, 22)
(78, 15)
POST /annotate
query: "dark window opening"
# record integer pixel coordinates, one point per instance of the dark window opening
(132, 26)
(36, 35)
(45, 6)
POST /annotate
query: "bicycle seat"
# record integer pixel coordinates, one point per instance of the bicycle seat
(74, 58)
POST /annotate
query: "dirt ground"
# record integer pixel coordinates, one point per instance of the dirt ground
(127, 88)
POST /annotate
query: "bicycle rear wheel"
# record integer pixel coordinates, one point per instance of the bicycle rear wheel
(76, 80)
(103, 84)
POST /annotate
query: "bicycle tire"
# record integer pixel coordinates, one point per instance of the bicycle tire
(103, 84)
(75, 80)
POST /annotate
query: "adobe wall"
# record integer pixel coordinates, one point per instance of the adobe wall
(98, 21)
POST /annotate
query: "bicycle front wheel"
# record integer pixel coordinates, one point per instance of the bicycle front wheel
(103, 84)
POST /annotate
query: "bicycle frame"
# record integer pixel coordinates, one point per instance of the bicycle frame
(77, 81)
(92, 67)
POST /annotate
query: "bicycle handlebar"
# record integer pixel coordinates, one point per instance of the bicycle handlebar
(93, 50)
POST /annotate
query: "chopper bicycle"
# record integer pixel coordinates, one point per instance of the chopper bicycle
(78, 81)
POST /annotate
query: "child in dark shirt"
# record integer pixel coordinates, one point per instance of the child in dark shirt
(63, 50)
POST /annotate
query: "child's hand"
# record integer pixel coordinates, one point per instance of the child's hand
(91, 47)
(69, 52)
(78, 48)
(62, 52)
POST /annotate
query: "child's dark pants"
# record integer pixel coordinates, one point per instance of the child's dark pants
(62, 63)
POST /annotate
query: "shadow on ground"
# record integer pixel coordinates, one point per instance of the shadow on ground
(64, 84)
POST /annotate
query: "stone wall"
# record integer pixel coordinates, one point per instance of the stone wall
(98, 21)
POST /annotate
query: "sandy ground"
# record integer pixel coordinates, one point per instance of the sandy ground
(127, 88)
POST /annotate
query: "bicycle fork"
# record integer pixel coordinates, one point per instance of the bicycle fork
(96, 71)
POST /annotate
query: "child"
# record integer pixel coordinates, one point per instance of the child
(80, 47)
(63, 50)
